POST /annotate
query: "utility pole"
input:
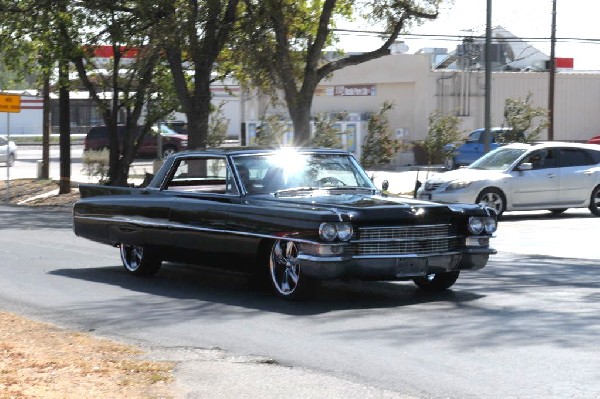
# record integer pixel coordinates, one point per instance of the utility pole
(552, 67)
(488, 79)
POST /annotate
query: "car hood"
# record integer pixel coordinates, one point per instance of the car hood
(375, 208)
(467, 174)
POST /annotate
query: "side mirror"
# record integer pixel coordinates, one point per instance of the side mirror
(385, 185)
(525, 166)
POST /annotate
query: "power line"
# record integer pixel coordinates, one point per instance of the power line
(448, 37)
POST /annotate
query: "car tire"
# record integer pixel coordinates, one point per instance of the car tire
(437, 281)
(493, 198)
(168, 151)
(139, 260)
(449, 164)
(595, 201)
(11, 160)
(286, 276)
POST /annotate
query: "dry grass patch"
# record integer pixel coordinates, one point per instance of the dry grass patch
(39, 360)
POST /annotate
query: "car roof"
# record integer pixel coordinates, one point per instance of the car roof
(259, 150)
(551, 144)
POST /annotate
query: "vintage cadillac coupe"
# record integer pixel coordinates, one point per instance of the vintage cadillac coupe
(286, 216)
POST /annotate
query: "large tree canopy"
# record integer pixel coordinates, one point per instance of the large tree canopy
(283, 43)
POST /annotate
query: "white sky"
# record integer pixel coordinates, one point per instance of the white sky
(524, 18)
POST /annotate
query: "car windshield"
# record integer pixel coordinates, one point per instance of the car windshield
(499, 159)
(289, 171)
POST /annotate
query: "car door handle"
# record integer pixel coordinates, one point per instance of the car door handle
(551, 175)
(588, 172)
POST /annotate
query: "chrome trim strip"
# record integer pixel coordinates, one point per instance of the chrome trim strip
(178, 226)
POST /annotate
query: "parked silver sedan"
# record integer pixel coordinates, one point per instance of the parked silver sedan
(8, 151)
(523, 177)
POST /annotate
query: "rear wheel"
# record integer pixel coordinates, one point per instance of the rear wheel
(286, 275)
(436, 281)
(595, 201)
(11, 159)
(493, 198)
(139, 260)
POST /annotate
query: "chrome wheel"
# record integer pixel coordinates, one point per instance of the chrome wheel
(286, 276)
(139, 260)
(449, 163)
(492, 198)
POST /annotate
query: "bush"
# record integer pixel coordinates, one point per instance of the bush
(443, 129)
(519, 117)
(327, 135)
(95, 164)
(379, 145)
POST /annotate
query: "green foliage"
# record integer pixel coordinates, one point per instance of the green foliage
(327, 135)
(442, 130)
(520, 117)
(379, 145)
(217, 127)
(95, 164)
(271, 131)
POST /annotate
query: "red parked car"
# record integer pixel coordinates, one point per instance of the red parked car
(172, 142)
(594, 140)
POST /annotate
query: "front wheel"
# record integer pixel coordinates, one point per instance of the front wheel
(449, 164)
(286, 275)
(168, 151)
(11, 160)
(493, 198)
(139, 260)
(436, 281)
(595, 201)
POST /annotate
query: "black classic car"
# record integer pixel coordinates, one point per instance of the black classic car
(287, 216)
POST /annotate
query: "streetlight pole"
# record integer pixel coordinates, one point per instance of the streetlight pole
(488, 79)
(552, 67)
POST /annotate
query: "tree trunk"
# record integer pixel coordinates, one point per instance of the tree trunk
(300, 115)
(46, 129)
(64, 186)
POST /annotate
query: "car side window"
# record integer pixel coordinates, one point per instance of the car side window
(202, 175)
(542, 159)
(574, 157)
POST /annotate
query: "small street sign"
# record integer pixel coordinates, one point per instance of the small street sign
(10, 103)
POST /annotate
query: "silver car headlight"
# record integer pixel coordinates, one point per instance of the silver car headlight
(327, 231)
(490, 225)
(457, 185)
(330, 231)
(476, 225)
(344, 231)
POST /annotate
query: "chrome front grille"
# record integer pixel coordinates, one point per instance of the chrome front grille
(419, 240)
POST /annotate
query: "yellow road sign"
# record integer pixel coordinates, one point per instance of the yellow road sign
(10, 103)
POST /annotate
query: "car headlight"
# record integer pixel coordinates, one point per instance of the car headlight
(476, 225)
(490, 225)
(327, 231)
(331, 231)
(457, 185)
(344, 231)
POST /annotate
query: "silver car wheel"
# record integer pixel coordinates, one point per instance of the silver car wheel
(131, 256)
(140, 260)
(167, 152)
(595, 201)
(492, 198)
(284, 268)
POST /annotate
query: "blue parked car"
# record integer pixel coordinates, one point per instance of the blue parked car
(472, 149)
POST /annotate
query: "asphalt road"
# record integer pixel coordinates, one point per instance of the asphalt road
(527, 325)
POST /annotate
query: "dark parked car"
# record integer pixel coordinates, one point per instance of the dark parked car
(288, 217)
(172, 142)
